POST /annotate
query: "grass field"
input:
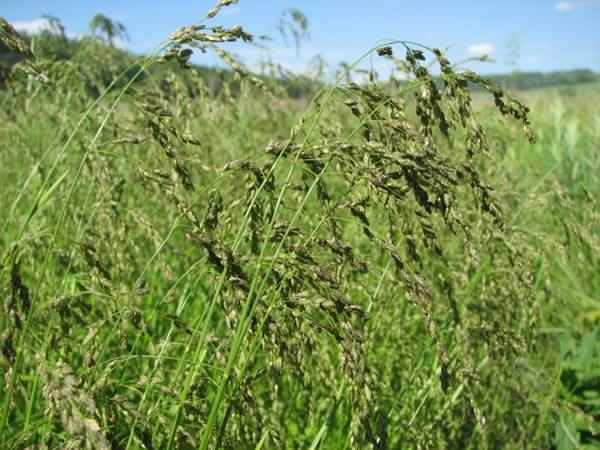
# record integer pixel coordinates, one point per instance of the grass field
(378, 267)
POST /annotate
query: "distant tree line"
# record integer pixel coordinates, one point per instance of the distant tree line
(53, 43)
(50, 44)
(533, 80)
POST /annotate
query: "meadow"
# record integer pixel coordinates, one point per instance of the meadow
(376, 265)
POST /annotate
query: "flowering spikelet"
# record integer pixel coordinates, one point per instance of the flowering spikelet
(72, 405)
(13, 41)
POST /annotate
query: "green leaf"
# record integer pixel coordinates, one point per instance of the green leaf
(566, 436)
(584, 359)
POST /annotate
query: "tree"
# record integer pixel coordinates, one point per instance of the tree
(110, 30)
(295, 22)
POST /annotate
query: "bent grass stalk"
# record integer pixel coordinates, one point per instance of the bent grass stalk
(34, 208)
(331, 277)
(247, 312)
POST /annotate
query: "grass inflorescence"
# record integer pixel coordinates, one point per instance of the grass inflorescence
(380, 267)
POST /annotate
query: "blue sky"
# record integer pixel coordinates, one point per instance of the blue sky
(549, 35)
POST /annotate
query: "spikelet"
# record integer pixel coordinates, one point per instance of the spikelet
(72, 405)
(220, 4)
(13, 41)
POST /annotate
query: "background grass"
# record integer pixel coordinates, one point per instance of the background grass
(121, 331)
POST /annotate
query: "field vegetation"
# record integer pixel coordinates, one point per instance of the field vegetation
(217, 259)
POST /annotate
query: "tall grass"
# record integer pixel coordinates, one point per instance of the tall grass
(390, 267)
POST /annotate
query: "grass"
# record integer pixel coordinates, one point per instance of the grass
(377, 267)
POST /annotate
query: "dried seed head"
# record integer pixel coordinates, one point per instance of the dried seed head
(13, 41)
(220, 4)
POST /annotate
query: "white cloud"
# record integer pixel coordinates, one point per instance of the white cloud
(570, 6)
(34, 26)
(119, 42)
(477, 50)
(564, 6)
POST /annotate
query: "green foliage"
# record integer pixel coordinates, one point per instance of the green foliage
(577, 424)
(110, 30)
(534, 80)
(294, 22)
(191, 266)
